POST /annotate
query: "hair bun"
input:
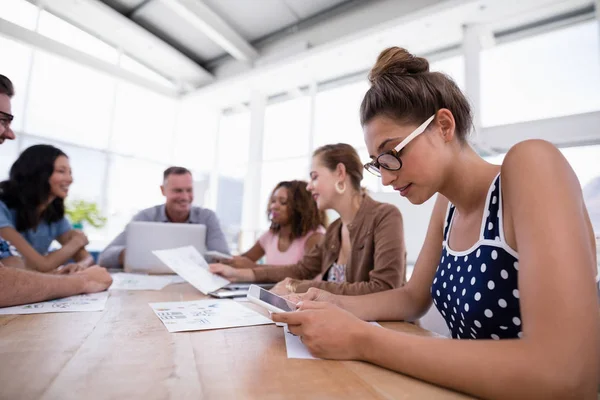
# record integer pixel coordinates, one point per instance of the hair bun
(397, 61)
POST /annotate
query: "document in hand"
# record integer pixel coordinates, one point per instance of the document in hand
(188, 263)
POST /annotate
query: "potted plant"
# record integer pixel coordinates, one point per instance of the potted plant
(81, 211)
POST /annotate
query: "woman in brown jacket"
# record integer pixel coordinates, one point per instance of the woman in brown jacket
(362, 252)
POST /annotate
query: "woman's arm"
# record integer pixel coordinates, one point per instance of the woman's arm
(255, 253)
(82, 256)
(308, 267)
(35, 260)
(559, 353)
(408, 302)
(312, 241)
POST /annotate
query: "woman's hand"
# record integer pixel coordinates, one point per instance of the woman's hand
(232, 274)
(327, 330)
(238, 262)
(313, 294)
(78, 239)
(285, 287)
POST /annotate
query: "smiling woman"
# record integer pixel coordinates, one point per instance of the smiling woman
(32, 212)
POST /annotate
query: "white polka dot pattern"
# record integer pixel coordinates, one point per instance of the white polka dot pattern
(478, 296)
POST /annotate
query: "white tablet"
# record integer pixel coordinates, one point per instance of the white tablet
(268, 300)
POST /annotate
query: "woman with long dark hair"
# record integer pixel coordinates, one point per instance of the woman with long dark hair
(297, 226)
(32, 211)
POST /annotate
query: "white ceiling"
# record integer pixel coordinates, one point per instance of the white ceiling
(228, 48)
(434, 25)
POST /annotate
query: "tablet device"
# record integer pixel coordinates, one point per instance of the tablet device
(268, 300)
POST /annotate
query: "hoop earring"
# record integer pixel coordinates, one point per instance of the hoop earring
(341, 188)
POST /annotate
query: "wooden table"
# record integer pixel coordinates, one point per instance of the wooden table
(125, 352)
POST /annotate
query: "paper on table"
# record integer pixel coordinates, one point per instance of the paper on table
(201, 315)
(82, 302)
(177, 279)
(297, 349)
(127, 281)
(189, 264)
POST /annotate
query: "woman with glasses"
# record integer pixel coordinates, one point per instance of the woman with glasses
(296, 227)
(508, 259)
(362, 251)
(32, 211)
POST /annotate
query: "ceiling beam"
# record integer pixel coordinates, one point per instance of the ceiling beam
(110, 26)
(200, 15)
(51, 46)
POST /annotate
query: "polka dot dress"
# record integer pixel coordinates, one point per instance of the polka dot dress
(476, 290)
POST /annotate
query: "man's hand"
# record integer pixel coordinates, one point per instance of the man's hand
(95, 278)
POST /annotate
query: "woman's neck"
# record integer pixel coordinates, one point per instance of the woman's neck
(285, 231)
(467, 182)
(348, 207)
(42, 207)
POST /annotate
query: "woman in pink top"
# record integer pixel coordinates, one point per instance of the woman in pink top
(296, 226)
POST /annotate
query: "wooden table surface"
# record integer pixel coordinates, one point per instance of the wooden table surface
(125, 352)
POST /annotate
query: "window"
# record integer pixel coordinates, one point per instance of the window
(287, 129)
(549, 75)
(195, 136)
(454, 67)
(15, 64)
(144, 123)
(69, 102)
(132, 186)
(234, 142)
(337, 117)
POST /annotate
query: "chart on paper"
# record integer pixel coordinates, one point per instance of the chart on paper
(206, 314)
(79, 303)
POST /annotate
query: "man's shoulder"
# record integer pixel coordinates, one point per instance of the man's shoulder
(200, 215)
(148, 214)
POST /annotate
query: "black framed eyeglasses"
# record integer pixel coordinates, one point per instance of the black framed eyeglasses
(5, 119)
(390, 159)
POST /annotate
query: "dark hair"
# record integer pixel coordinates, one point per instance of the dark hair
(28, 187)
(6, 86)
(333, 154)
(402, 88)
(304, 214)
(175, 171)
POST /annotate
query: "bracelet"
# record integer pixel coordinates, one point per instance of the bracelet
(291, 286)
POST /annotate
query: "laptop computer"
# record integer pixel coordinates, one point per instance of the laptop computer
(144, 237)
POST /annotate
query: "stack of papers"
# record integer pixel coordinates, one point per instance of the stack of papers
(206, 314)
